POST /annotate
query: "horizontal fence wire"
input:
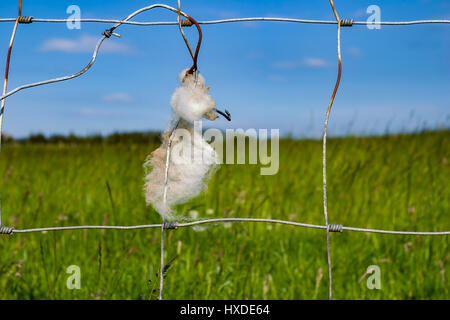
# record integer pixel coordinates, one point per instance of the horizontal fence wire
(186, 23)
(175, 225)
(231, 20)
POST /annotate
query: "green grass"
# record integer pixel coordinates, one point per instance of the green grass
(394, 182)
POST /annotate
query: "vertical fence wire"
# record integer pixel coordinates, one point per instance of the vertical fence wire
(5, 85)
(181, 30)
(324, 154)
(163, 226)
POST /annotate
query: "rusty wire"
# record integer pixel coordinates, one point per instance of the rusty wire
(5, 82)
(191, 21)
(182, 32)
(324, 151)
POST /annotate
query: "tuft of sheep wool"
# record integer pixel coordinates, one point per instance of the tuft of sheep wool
(192, 160)
(191, 101)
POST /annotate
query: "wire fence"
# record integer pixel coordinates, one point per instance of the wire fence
(328, 228)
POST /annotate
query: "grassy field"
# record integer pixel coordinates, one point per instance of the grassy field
(393, 182)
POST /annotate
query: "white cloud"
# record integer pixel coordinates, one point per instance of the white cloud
(85, 43)
(91, 112)
(118, 97)
(287, 65)
(307, 62)
(354, 51)
(314, 62)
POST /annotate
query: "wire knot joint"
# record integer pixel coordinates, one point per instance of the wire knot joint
(170, 225)
(6, 230)
(110, 32)
(335, 228)
(186, 23)
(346, 22)
(25, 19)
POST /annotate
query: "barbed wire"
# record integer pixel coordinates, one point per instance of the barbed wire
(186, 23)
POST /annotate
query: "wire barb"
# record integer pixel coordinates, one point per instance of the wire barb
(110, 32)
(107, 33)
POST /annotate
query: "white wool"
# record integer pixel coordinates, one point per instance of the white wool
(192, 159)
(191, 100)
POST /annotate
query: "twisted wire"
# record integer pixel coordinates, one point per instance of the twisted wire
(25, 19)
(335, 228)
(6, 230)
(346, 22)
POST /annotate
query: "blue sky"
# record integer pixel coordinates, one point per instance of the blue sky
(269, 75)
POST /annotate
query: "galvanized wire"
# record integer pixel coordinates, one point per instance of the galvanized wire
(324, 151)
(173, 225)
(232, 20)
(166, 179)
(94, 56)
